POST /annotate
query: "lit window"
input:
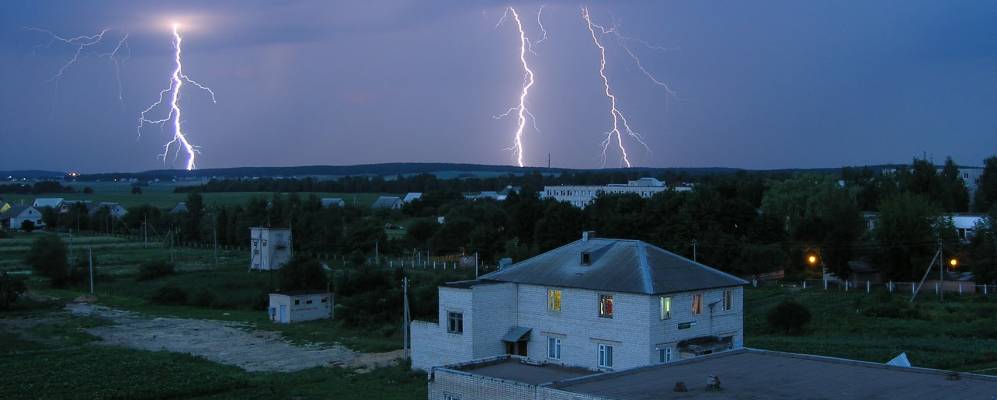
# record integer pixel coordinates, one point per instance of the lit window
(554, 348)
(605, 306)
(455, 323)
(697, 303)
(728, 300)
(553, 300)
(605, 356)
(665, 354)
(666, 307)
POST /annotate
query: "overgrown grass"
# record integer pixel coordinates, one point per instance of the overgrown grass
(959, 333)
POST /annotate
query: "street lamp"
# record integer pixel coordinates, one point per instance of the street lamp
(954, 263)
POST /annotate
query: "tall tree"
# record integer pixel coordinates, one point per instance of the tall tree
(986, 191)
(906, 235)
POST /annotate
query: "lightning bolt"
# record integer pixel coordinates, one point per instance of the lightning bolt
(81, 44)
(622, 41)
(541, 24)
(521, 110)
(619, 120)
(176, 82)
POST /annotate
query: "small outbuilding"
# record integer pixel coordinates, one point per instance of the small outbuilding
(389, 202)
(332, 202)
(270, 248)
(297, 306)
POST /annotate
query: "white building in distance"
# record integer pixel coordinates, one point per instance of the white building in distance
(297, 306)
(583, 195)
(270, 247)
(601, 304)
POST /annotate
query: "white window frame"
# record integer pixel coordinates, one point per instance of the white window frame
(728, 300)
(550, 297)
(553, 347)
(665, 303)
(605, 355)
(612, 306)
(697, 303)
(664, 354)
(454, 330)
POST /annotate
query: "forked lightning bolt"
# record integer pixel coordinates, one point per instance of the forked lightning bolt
(176, 82)
(619, 120)
(81, 44)
(521, 110)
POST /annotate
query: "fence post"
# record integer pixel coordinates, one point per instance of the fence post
(804, 283)
(825, 284)
(936, 288)
(984, 289)
(867, 287)
(960, 287)
(912, 287)
(890, 286)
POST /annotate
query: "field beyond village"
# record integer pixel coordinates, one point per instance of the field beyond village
(220, 345)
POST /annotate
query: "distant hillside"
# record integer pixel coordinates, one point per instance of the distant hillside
(30, 174)
(442, 170)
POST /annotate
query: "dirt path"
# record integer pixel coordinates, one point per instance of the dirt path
(224, 342)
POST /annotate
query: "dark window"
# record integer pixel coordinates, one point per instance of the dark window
(308, 302)
(296, 302)
(325, 299)
(455, 323)
(586, 258)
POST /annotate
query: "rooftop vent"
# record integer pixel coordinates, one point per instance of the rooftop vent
(586, 235)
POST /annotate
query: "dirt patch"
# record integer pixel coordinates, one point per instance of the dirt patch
(231, 343)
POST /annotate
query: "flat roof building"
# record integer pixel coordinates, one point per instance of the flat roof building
(737, 374)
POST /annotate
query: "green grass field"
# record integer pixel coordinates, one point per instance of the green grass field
(959, 333)
(161, 195)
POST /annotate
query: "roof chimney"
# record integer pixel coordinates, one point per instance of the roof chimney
(586, 235)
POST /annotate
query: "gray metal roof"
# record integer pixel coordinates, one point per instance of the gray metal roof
(761, 374)
(516, 334)
(386, 202)
(616, 265)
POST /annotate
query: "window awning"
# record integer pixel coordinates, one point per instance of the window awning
(517, 334)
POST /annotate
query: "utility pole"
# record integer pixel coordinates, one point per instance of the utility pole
(941, 273)
(405, 317)
(475, 265)
(694, 243)
(916, 289)
(90, 250)
(377, 255)
(145, 230)
(214, 234)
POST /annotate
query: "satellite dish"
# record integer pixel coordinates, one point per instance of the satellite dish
(900, 361)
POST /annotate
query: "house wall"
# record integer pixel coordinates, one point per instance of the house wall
(302, 310)
(496, 307)
(269, 248)
(467, 386)
(580, 328)
(28, 214)
(432, 345)
(666, 333)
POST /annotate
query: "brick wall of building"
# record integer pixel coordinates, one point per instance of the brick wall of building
(465, 386)
(581, 329)
(496, 309)
(719, 323)
(431, 343)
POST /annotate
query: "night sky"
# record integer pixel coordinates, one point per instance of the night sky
(770, 84)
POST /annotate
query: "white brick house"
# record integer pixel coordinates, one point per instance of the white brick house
(604, 304)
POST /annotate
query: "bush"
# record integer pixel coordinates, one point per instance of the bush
(11, 287)
(4, 234)
(303, 274)
(154, 269)
(204, 298)
(789, 317)
(169, 295)
(47, 258)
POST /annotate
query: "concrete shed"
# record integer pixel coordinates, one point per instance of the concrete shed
(297, 306)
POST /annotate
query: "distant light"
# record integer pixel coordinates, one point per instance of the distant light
(812, 259)
(954, 262)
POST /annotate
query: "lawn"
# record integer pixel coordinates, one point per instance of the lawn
(65, 367)
(959, 333)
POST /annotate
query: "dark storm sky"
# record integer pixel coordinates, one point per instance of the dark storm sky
(761, 84)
